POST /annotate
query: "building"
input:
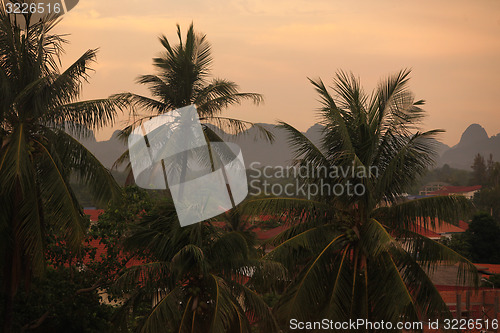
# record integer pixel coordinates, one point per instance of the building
(467, 191)
(438, 229)
(432, 187)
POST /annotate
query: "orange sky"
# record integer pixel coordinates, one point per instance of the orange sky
(271, 47)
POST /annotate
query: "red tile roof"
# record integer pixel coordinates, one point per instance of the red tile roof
(101, 251)
(446, 228)
(100, 247)
(447, 190)
(93, 213)
(489, 268)
(267, 234)
(441, 227)
(463, 225)
(427, 233)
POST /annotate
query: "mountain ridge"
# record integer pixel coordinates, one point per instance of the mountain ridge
(474, 140)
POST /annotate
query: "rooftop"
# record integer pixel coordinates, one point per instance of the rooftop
(447, 190)
(441, 227)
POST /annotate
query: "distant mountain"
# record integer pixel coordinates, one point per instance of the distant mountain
(278, 153)
(473, 135)
(473, 141)
(440, 148)
(252, 143)
(106, 151)
(255, 149)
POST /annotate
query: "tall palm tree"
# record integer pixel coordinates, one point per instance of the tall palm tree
(200, 276)
(197, 268)
(184, 79)
(359, 255)
(37, 156)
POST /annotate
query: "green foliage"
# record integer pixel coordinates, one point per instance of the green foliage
(99, 272)
(446, 174)
(359, 256)
(84, 195)
(479, 171)
(484, 239)
(198, 275)
(493, 279)
(67, 310)
(183, 78)
(37, 157)
(346, 257)
(481, 242)
(109, 232)
(488, 198)
(459, 243)
(271, 298)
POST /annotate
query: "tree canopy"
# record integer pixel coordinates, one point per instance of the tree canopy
(37, 156)
(360, 256)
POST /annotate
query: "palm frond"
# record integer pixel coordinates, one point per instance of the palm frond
(304, 149)
(93, 113)
(143, 102)
(86, 166)
(427, 213)
(385, 94)
(256, 309)
(151, 275)
(309, 287)
(219, 94)
(431, 255)
(299, 242)
(292, 209)
(335, 119)
(425, 294)
(166, 311)
(238, 127)
(350, 95)
(61, 201)
(15, 162)
(401, 161)
(392, 299)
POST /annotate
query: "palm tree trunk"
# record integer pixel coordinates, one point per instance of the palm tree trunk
(183, 173)
(12, 264)
(8, 309)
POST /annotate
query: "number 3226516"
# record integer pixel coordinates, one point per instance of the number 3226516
(32, 8)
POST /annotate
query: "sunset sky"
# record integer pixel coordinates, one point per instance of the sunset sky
(271, 47)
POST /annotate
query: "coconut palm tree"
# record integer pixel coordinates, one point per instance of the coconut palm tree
(37, 156)
(184, 79)
(357, 254)
(200, 277)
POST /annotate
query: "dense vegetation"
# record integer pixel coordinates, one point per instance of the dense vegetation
(487, 175)
(37, 157)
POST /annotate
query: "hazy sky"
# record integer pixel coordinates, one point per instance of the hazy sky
(271, 47)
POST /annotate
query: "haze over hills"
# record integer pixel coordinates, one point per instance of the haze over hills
(255, 149)
(473, 141)
(106, 151)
